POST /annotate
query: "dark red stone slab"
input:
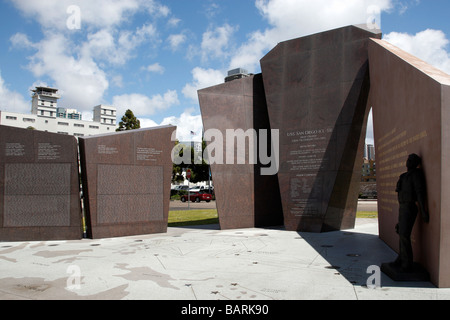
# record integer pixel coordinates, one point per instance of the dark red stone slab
(39, 186)
(245, 198)
(126, 182)
(316, 89)
(411, 103)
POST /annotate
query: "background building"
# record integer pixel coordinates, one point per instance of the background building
(47, 116)
(368, 185)
(69, 114)
(369, 152)
(369, 168)
(105, 114)
(235, 74)
(369, 171)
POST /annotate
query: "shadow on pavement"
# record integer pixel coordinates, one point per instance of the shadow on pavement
(353, 255)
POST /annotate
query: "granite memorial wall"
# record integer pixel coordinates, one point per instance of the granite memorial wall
(241, 191)
(411, 114)
(39, 186)
(316, 90)
(126, 182)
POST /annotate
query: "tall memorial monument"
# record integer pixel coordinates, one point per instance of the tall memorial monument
(316, 90)
(39, 186)
(315, 93)
(126, 182)
(245, 197)
(411, 114)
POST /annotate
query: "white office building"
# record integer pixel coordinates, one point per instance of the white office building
(369, 152)
(47, 116)
(45, 102)
(106, 115)
(69, 114)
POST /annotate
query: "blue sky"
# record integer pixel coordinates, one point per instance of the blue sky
(152, 56)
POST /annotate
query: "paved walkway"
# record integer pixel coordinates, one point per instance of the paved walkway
(207, 264)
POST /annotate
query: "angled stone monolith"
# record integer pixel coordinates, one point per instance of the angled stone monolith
(126, 182)
(245, 197)
(316, 90)
(411, 114)
(39, 186)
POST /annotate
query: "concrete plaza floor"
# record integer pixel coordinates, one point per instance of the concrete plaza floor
(208, 264)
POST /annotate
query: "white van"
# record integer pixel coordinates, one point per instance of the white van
(201, 189)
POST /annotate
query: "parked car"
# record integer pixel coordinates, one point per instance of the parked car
(181, 188)
(202, 189)
(196, 189)
(197, 197)
(178, 190)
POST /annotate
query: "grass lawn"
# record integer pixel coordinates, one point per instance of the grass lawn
(210, 216)
(193, 217)
(367, 214)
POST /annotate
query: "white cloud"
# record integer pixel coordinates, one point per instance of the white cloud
(186, 123)
(162, 10)
(118, 81)
(429, 45)
(144, 106)
(147, 123)
(216, 42)
(132, 40)
(21, 41)
(290, 19)
(12, 101)
(173, 22)
(79, 78)
(202, 78)
(154, 68)
(78, 69)
(176, 40)
(117, 48)
(211, 10)
(94, 14)
(294, 17)
(404, 6)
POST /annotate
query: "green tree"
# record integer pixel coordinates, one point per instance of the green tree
(201, 171)
(178, 169)
(129, 122)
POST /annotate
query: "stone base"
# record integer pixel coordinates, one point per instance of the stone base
(418, 273)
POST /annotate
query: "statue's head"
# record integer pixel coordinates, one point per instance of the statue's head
(413, 161)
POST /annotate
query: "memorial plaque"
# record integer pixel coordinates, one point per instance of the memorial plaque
(144, 200)
(126, 181)
(411, 103)
(245, 197)
(316, 89)
(39, 186)
(37, 178)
